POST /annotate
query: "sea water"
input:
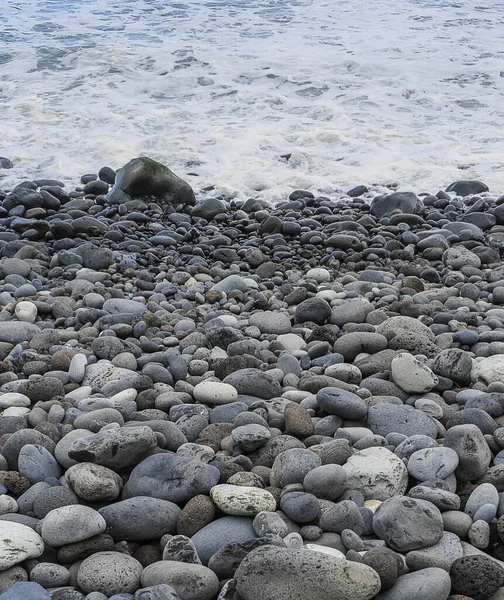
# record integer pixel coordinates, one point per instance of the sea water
(255, 98)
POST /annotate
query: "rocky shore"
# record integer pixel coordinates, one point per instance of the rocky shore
(228, 400)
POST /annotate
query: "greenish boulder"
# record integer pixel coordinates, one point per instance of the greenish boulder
(146, 177)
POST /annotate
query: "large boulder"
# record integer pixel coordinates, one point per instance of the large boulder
(467, 187)
(405, 202)
(146, 177)
(272, 573)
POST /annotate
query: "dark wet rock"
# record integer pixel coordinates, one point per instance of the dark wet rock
(467, 188)
(146, 177)
(405, 202)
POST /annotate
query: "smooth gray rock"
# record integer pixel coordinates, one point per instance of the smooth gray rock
(21, 438)
(292, 466)
(146, 177)
(157, 592)
(37, 464)
(221, 532)
(344, 404)
(140, 518)
(25, 590)
(272, 573)
(15, 332)
(327, 482)
(271, 322)
(465, 187)
(404, 202)
(71, 524)
(472, 450)
(391, 418)
(407, 523)
(432, 463)
(50, 575)
(171, 477)
(191, 582)
(253, 382)
(427, 584)
(354, 311)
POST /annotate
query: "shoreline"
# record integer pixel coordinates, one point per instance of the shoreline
(234, 400)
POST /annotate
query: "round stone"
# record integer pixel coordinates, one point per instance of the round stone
(50, 575)
(171, 477)
(377, 473)
(242, 501)
(109, 573)
(18, 543)
(300, 507)
(271, 322)
(71, 524)
(94, 483)
(327, 482)
(432, 463)
(411, 375)
(140, 518)
(190, 581)
(214, 393)
(26, 311)
(407, 523)
(319, 275)
(292, 466)
(341, 403)
(431, 583)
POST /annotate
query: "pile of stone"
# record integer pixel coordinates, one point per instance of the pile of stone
(228, 400)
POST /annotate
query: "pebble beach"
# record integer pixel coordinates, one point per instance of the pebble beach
(205, 398)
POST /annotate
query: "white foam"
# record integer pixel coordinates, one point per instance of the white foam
(357, 92)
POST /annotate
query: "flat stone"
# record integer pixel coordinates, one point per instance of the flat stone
(171, 477)
(140, 518)
(411, 375)
(432, 463)
(214, 393)
(191, 582)
(427, 584)
(221, 532)
(272, 573)
(271, 322)
(15, 332)
(392, 418)
(70, 524)
(18, 543)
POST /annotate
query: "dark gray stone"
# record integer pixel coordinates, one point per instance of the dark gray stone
(171, 477)
(220, 533)
(140, 518)
(408, 524)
